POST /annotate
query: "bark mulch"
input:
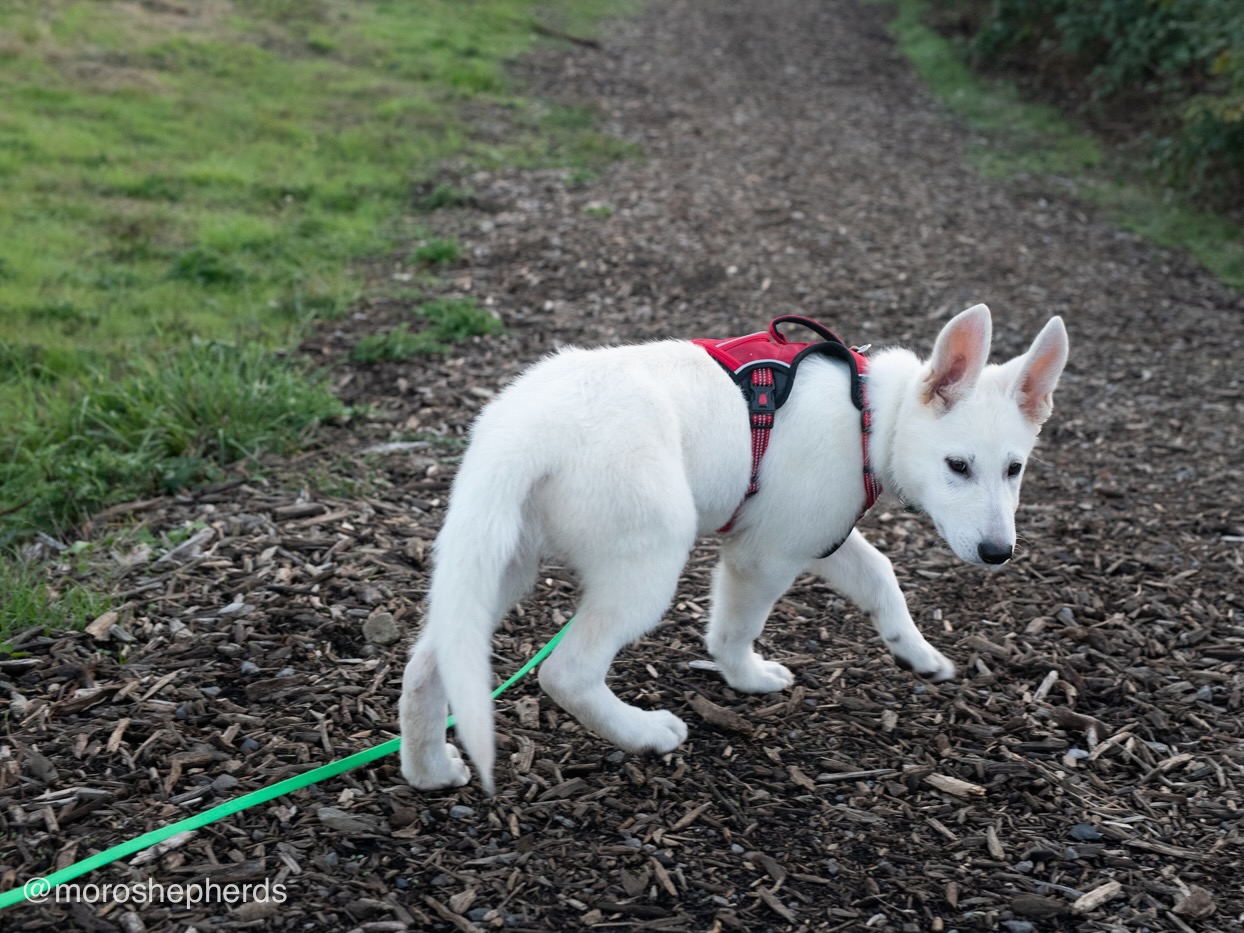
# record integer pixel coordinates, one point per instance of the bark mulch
(1084, 771)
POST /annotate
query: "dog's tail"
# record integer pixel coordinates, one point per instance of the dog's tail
(477, 544)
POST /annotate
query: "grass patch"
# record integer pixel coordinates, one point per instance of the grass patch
(448, 321)
(456, 319)
(176, 179)
(440, 197)
(1025, 138)
(32, 600)
(438, 252)
(397, 344)
(213, 171)
(1031, 137)
(163, 425)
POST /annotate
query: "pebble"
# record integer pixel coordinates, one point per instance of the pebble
(1018, 926)
(382, 629)
(1084, 832)
(461, 812)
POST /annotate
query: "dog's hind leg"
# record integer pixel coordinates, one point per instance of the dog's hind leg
(743, 596)
(622, 600)
(864, 575)
(428, 761)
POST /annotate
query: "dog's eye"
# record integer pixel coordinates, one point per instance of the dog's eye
(1014, 469)
(958, 465)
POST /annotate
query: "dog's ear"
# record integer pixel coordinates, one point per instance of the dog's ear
(961, 351)
(1039, 372)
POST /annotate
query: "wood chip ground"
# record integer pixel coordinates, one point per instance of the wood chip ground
(1083, 773)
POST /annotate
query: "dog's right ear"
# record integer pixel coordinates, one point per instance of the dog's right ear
(961, 351)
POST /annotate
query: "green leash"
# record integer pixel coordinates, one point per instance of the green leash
(39, 888)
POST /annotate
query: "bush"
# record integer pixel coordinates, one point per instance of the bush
(1184, 57)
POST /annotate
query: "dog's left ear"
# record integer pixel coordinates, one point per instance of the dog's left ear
(1038, 375)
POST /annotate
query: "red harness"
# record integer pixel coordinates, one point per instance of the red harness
(763, 366)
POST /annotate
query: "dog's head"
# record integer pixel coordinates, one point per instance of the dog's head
(967, 428)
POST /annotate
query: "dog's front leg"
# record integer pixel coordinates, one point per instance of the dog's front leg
(864, 575)
(743, 595)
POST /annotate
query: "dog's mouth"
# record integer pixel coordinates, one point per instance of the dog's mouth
(910, 506)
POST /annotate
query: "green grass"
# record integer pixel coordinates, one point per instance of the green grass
(171, 422)
(1033, 138)
(442, 196)
(214, 173)
(447, 321)
(1024, 138)
(438, 251)
(181, 181)
(395, 345)
(33, 600)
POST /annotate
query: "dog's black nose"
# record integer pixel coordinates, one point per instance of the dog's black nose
(992, 554)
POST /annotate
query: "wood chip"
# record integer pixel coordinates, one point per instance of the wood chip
(719, 716)
(147, 856)
(993, 844)
(1197, 904)
(771, 901)
(663, 878)
(101, 626)
(1095, 898)
(799, 779)
(460, 922)
(954, 785)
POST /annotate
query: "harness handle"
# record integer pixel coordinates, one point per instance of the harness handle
(815, 326)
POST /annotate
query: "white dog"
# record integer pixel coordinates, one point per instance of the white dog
(613, 460)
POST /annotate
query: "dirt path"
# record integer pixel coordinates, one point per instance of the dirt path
(793, 163)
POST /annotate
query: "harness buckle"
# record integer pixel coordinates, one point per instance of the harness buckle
(762, 400)
(761, 392)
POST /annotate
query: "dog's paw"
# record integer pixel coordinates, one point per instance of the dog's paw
(927, 663)
(760, 676)
(647, 731)
(447, 770)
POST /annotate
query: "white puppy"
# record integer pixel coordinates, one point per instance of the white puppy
(614, 460)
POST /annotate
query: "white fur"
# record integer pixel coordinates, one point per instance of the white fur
(614, 460)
